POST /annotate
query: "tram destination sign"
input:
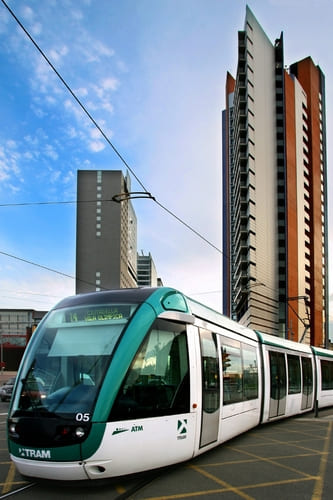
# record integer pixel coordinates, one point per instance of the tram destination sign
(99, 313)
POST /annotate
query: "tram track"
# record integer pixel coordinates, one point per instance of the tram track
(148, 480)
(12, 493)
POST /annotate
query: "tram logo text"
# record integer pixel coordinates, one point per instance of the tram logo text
(182, 429)
(135, 428)
(29, 453)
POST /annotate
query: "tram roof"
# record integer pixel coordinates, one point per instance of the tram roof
(275, 341)
(123, 295)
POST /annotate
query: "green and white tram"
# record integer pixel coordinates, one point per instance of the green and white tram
(129, 380)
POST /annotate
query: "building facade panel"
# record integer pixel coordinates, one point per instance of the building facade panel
(274, 188)
(105, 233)
(312, 80)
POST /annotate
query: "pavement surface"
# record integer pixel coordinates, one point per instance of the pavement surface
(290, 459)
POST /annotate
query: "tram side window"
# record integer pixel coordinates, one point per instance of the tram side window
(157, 382)
(232, 372)
(210, 372)
(240, 371)
(294, 374)
(326, 375)
(250, 372)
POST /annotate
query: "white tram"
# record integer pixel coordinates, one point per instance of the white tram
(124, 381)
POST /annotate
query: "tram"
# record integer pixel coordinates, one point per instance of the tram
(123, 381)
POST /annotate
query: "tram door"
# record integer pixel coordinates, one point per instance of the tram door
(307, 387)
(277, 364)
(210, 388)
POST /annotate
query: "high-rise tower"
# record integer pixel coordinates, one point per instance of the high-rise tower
(106, 233)
(275, 263)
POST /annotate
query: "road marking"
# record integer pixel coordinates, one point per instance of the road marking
(120, 489)
(227, 486)
(319, 484)
(9, 479)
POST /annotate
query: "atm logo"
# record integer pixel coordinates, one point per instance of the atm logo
(119, 430)
(30, 453)
(135, 428)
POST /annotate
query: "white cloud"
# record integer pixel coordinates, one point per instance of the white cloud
(76, 14)
(107, 106)
(95, 133)
(71, 132)
(4, 175)
(55, 176)
(56, 55)
(93, 50)
(69, 177)
(102, 49)
(50, 100)
(77, 112)
(110, 84)
(28, 155)
(33, 141)
(38, 111)
(14, 189)
(96, 146)
(27, 13)
(33, 289)
(4, 18)
(50, 152)
(103, 89)
(10, 143)
(9, 159)
(36, 29)
(92, 106)
(43, 76)
(81, 92)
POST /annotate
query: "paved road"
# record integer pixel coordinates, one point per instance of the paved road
(291, 459)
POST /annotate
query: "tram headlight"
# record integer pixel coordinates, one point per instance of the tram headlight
(12, 428)
(80, 432)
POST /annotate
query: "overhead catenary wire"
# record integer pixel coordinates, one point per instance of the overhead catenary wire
(65, 202)
(99, 128)
(125, 198)
(47, 268)
(63, 81)
(122, 159)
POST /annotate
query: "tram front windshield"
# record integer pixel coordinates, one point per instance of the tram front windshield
(68, 358)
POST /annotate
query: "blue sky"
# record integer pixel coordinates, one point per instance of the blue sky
(152, 74)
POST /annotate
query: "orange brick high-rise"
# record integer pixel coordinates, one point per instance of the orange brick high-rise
(275, 247)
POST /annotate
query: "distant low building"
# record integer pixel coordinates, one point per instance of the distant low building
(16, 328)
(146, 271)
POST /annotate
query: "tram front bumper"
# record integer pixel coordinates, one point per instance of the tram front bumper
(59, 471)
